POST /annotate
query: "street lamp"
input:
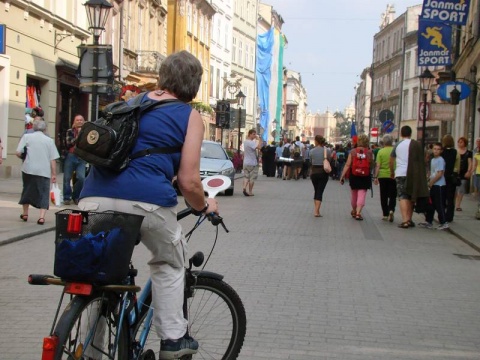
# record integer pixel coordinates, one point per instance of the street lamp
(425, 81)
(97, 14)
(240, 101)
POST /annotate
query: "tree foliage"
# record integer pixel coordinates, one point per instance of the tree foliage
(344, 126)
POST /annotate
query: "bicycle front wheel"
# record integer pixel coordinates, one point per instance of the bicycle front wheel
(87, 329)
(216, 318)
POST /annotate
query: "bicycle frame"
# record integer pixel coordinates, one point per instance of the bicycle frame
(128, 307)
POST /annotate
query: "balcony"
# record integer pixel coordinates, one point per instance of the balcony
(149, 61)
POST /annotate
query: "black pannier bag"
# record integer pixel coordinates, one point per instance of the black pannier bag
(108, 142)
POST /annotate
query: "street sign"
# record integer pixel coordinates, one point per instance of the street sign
(442, 112)
(446, 88)
(374, 132)
(385, 115)
(388, 126)
(421, 106)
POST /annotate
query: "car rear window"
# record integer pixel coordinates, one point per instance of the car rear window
(213, 151)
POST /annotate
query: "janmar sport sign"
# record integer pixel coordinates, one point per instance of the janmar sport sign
(435, 30)
(446, 11)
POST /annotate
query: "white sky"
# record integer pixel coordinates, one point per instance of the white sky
(330, 43)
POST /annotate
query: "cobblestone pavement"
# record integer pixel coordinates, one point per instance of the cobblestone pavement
(313, 288)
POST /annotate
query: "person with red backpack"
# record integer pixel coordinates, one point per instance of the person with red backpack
(359, 165)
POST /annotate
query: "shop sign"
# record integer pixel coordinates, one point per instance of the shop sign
(442, 112)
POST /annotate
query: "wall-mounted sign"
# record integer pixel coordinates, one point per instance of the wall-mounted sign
(3, 30)
(444, 90)
(446, 11)
(434, 43)
(442, 112)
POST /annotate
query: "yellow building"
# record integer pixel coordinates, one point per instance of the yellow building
(188, 28)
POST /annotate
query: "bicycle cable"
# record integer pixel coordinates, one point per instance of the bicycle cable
(200, 220)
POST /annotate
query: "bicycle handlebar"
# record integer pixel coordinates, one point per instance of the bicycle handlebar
(212, 217)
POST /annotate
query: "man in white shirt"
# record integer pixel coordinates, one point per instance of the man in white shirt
(250, 161)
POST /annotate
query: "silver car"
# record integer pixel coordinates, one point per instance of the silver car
(214, 160)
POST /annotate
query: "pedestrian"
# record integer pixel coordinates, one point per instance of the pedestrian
(287, 159)
(438, 189)
(306, 160)
(38, 169)
(341, 158)
(250, 161)
(452, 166)
(318, 175)
(73, 164)
(268, 163)
(145, 188)
(465, 172)
(360, 181)
(476, 179)
(381, 175)
(1, 152)
(278, 161)
(407, 164)
(297, 154)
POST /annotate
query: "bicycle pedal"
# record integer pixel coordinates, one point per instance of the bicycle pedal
(148, 355)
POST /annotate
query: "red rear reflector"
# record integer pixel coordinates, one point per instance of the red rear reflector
(78, 288)
(49, 347)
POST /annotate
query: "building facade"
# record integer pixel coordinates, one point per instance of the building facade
(38, 69)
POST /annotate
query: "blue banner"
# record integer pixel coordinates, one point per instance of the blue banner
(2, 38)
(446, 11)
(264, 76)
(434, 43)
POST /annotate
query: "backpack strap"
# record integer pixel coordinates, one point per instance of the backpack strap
(158, 150)
(144, 108)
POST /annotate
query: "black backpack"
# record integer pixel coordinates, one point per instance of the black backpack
(108, 141)
(286, 151)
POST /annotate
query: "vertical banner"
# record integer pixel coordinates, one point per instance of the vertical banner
(446, 11)
(434, 43)
(2, 38)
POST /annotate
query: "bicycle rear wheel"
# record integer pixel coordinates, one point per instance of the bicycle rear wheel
(87, 330)
(216, 319)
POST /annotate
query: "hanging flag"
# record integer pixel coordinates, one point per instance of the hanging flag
(353, 133)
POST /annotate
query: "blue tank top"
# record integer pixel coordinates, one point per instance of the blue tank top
(148, 178)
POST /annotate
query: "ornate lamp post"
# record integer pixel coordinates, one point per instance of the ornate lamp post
(425, 82)
(240, 101)
(97, 14)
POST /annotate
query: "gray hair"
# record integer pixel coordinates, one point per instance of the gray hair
(181, 74)
(387, 140)
(39, 125)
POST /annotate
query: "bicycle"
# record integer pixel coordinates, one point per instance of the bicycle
(110, 322)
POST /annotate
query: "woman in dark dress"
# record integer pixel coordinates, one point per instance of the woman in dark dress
(358, 184)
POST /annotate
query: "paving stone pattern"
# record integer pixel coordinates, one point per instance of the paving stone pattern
(313, 288)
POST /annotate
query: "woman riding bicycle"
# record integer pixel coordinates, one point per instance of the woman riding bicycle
(145, 188)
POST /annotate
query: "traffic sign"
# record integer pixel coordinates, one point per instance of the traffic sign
(423, 107)
(446, 88)
(388, 126)
(374, 132)
(385, 115)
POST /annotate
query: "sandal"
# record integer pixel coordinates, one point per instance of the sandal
(404, 225)
(411, 223)
(458, 209)
(24, 217)
(353, 213)
(41, 221)
(358, 217)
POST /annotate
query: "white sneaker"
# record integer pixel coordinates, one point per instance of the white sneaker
(391, 217)
(443, 227)
(425, 225)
